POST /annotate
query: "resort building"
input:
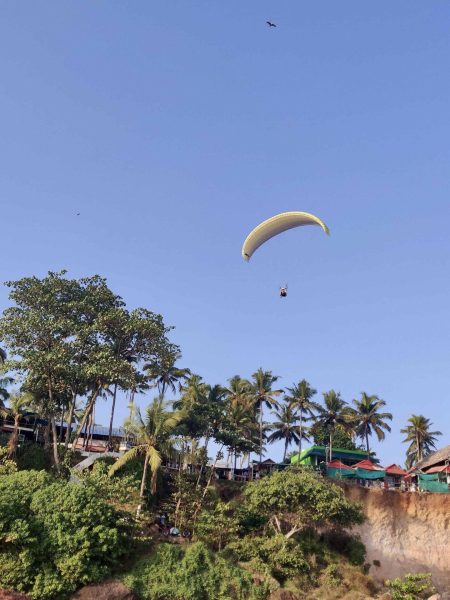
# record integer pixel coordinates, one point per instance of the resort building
(316, 455)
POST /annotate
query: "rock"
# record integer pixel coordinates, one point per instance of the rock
(10, 595)
(108, 590)
(435, 597)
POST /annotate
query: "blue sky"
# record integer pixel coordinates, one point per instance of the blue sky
(175, 127)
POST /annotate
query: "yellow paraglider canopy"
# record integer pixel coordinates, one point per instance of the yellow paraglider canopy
(275, 225)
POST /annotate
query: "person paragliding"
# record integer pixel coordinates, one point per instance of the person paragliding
(283, 291)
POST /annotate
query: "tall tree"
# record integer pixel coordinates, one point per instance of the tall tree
(4, 383)
(154, 441)
(366, 418)
(300, 398)
(333, 416)
(285, 428)
(164, 372)
(18, 406)
(421, 440)
(263, 395)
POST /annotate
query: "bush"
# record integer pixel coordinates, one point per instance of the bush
(348, 545)
(7, 466)
(32, 456)
(283, 557)
(195, 574)
(55, 536)
(411, 587)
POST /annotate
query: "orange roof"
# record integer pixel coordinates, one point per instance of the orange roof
(395, 470)
(439, 469)
(337, 464)
(368, 465)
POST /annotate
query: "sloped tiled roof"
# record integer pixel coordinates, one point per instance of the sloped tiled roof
(436, 457)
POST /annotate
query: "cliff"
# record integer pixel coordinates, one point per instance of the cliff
(405, 533)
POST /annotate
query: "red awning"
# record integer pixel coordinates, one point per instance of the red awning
(337, 464)
(368, 465)
(440, 469)
(395, 470)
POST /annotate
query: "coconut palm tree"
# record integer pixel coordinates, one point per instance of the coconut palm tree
(4, 394)
(299, 398)
(366, 418)
(154, 441)
(165, 374)
(285, 428)
(421, 440)
(19, 404)
(333, 415)
(263, 394)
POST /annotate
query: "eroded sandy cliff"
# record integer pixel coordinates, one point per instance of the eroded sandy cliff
(405, 532)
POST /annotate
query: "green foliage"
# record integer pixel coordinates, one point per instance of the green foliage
(341, 438)
(32, 456)
(332, 575)
(348, 545)
(283, 557)
(119, 489)
(7, 466)
(217, 526)
(294, 500)
(171, 573)
(55, 535)
(411, 587)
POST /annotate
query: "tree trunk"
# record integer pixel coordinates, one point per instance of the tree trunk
(112, 416)
(367, 445)
(300, 431)
(55, 442)
(331, 445)
(70, 419)
(87, 414)
(142, 489)
(61, 425)
(14, 439)
(285, 450)
(260, 432)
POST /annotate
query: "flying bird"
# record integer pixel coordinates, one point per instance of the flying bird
(270, 24)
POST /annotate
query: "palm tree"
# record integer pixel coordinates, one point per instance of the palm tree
(334, 415)
(299, 398)
(165, 374)
(4, 394)
(366, 419)
(18, 406)
(263, 394)
(285, 427)
(153, 441)
(422, 440)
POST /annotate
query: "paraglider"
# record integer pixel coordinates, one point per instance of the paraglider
(283, 291)
(275, 225)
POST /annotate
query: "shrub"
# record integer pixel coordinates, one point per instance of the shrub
(283, 557)
(171, 573)
(55, 536)
(32, 457)
(411, 587)
(217, 526)
(348, 545)
(7, 466)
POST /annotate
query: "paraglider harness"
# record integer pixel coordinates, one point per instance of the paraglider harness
(283, 291)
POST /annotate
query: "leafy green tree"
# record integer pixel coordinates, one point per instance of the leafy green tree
(342, 438)
(421, 440)
(333, 416)
(284, 427)
(300, 398)
(18, 405)
(4, 394)
(295, 500)
(217, 526)
(7, 466)
(55, 536)
(263, 395)
(366, 418)
(153, 442)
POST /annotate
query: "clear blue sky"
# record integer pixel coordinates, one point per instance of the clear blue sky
(175, 127)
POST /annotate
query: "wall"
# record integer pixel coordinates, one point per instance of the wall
(405, 532)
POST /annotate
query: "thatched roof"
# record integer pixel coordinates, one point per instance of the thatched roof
(435, 458)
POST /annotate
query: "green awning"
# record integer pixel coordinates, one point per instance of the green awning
(366, 474)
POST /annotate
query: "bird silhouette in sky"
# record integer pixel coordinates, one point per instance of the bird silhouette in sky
(270, 24)
(78, 214)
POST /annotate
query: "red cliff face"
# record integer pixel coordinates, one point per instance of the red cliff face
(406, 533)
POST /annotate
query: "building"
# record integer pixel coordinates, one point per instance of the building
(317, 455)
